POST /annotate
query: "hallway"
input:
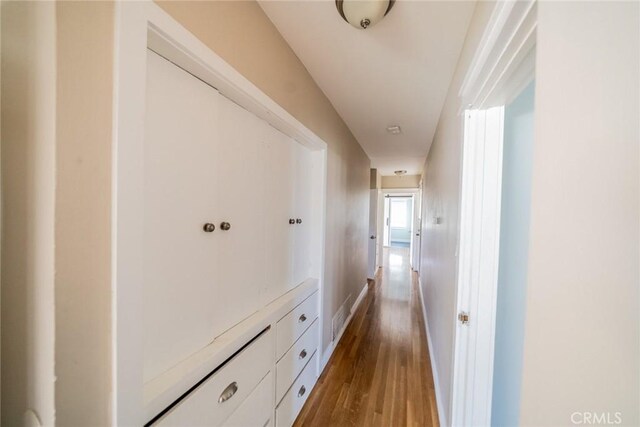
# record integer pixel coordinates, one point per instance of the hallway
(380, 372)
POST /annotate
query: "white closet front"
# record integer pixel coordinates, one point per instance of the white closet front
(210, 163)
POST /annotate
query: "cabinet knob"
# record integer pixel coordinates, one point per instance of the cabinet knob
(302, 354)
(225, 226)
(292, 221)
(302, 318)
(298, 221)
(302, 391)
(208, 227)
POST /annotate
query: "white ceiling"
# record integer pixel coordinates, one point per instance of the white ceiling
(394, 73)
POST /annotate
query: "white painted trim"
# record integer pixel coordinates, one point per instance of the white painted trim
(487, 43)
(478, 267)
(409, 191)
(503, 64)
(442, 414)
(505, 57)
(361, 295)
(138, 26)
(321, 247)
(472, 383)
(328, 352)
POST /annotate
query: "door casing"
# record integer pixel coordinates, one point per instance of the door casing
(503, 65)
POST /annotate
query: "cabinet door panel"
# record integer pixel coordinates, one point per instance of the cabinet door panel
(303, 195)
(241, 175)
(279, 158)
(180, 260)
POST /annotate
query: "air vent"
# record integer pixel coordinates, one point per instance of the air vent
(394, 130)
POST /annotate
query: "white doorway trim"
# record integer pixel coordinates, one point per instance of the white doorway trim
(417, 230)
(139, 26)
(504, 63)
(372, 259)
(409, 192)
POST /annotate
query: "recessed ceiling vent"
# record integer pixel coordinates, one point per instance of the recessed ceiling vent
(394, 130)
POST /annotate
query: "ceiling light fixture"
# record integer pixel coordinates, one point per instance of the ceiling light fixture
(394, 130)
(400, 173)
(363, 13)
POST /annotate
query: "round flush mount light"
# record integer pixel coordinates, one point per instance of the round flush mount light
(400, 172)
(363, 13)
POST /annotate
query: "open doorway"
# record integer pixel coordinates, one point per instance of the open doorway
(398, 226)
(398, 213)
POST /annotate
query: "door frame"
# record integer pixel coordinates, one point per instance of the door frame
(140, 26)
(373, 221)
(411, 192)
(503, 65)
(417, 231)
(380, 220)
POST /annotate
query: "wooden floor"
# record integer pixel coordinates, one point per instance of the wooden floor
(380, 373)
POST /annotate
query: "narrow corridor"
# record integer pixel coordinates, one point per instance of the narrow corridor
(380, 372)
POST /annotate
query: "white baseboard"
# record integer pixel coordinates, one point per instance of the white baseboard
(329, 350)
(363, 293)
(442, 415)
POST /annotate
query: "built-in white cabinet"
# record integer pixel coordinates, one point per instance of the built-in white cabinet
(181, 262)
(222, 393)
(228, 226)
(218, 216)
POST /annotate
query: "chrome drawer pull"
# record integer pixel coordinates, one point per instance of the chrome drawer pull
(302, 318)
(303, 354)
(228, 392)
(302, 391)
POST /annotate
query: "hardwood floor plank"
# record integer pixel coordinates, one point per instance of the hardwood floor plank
(380, 372)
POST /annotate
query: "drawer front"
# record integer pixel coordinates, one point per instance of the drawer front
(291, 326)
(294, 399)
(220, 395)
(257, 409)
(295, 359)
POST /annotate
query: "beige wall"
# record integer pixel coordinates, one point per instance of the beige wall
(242, 35)
(582, 325)
(407, 181)
(28, 165)
(83, 207)
(582, 350)
(440, 195)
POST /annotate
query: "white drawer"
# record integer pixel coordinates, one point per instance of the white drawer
(257, 409)
(293, 401)
(295, 359)
(291, 326)
(202, 407)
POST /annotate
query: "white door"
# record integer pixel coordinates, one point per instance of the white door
(415, 244)
(380, 228)
(386, 224)
(181, 193)
(304, 171)
(240, 170)
(373, 232)
(279, 155)
(477, 267)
